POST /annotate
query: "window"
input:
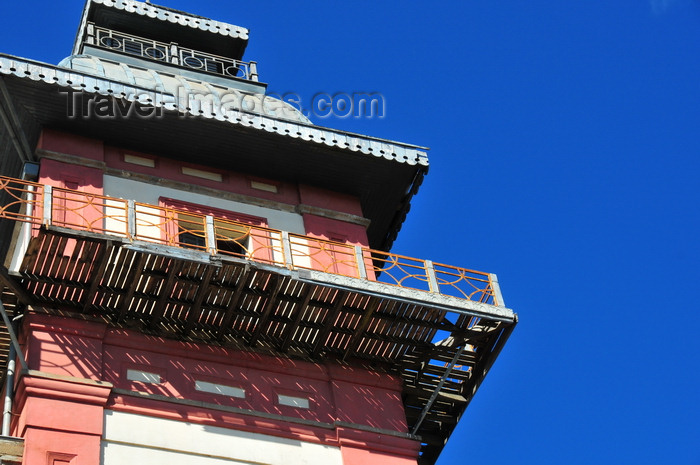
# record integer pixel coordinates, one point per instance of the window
(235, 233)
(231, 238)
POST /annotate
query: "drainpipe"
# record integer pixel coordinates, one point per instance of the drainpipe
(9, 391)
(15, 352)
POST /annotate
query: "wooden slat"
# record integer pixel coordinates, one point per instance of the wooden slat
(195, 310)
(32, 251)
(294, 324)
(9, 281)
(372, 307)
(328, 322)
(97, 275)
(131, 281)
(233, 304)
(267, 310)
(55, 252)
(166, 291)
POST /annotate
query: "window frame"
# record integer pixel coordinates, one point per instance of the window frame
(217, 213)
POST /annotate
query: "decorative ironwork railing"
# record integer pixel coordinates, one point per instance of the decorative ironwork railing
(44, 205)
(170, 53)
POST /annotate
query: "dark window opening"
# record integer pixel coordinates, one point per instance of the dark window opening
(192, 240)
(236, 247)
(232, 247)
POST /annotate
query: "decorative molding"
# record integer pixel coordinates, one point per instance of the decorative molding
(181, 18)
(70, 159)
(51, 386)
(334, 215)
(264, 415)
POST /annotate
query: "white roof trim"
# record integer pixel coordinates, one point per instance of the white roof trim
(184, 19)
(36, 71)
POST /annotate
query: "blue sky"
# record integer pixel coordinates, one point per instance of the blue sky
(564, 157)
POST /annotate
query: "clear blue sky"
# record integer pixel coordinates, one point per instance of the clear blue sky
(564, 157)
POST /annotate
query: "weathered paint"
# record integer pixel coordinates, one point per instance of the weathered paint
(84, 379)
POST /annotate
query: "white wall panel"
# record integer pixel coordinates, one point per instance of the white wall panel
(149, 193)
(131, 438)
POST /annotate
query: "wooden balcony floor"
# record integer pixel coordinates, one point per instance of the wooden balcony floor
(251, 306)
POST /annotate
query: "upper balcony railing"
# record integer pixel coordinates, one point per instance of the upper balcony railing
(170, 53)
(40, 204)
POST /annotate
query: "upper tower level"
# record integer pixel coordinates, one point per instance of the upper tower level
(164, 39)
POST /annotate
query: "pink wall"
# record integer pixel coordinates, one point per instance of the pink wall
(90, 180)
(71, 144)
(323, 198)
(61, 420)
(61, 413)
(339, 260)
(71, 210)
(231, 181)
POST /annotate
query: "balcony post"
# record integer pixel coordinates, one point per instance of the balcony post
(496, 288)
(432, 279)
(131, 219)
(90, 39)
(360, 259)
(287, 249)
(174, 53)
(210, 235)
(48, 205)
(253, 71)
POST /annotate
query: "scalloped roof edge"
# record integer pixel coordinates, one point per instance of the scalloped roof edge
(50, 74)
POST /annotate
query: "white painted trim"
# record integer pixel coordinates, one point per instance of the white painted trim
(143, 376)
(221, 389)
(209, 175)
(141, 161)
(263, 186)
(160, 441)
(293, 401)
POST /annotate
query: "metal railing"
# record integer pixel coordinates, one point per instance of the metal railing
(170, 53)
(45, 205)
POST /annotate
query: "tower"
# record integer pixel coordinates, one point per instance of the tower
(195, 273)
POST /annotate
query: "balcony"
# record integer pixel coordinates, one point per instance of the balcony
(195, 277)
(169, 53)
(56, 208)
